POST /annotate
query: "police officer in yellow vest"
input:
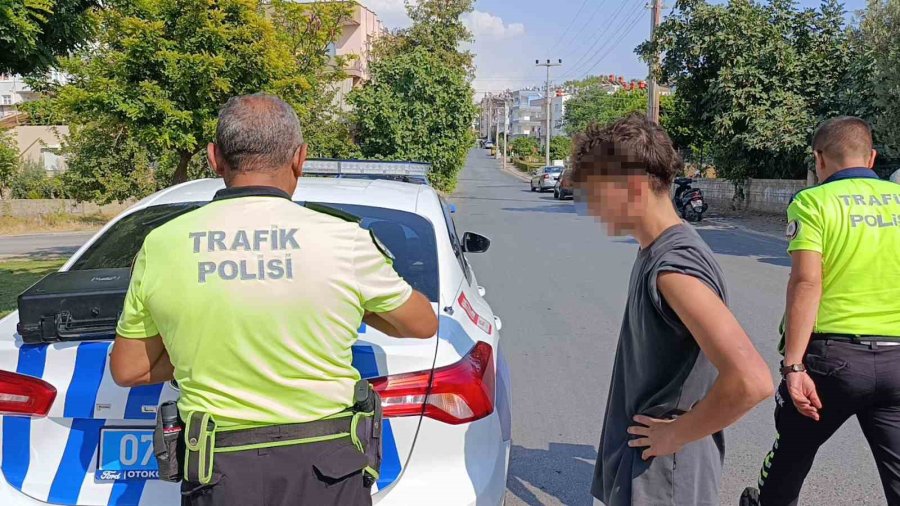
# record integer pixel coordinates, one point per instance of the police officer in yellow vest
(252, 303)
(842, 325)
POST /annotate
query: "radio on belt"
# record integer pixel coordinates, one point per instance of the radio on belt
(73, 306)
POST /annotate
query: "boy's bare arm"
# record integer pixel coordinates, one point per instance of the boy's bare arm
(744, 379)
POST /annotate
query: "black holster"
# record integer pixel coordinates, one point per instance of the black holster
(367, 428)
(169, 447)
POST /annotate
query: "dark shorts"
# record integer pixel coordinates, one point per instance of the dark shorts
(326, 473)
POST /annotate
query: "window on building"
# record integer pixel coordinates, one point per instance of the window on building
(331, 49)
(51, 159)
(6, 100)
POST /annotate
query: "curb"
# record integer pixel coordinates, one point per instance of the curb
(515, 173)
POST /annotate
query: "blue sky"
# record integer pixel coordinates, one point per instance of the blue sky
(591, 36)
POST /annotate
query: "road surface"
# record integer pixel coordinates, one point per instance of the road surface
(559, 286)
(42, 246)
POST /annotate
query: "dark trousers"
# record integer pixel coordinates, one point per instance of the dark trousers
(851, 380)
(328, 473)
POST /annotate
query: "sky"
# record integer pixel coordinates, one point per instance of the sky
(592, 37)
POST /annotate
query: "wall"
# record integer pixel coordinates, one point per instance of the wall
(33, 139)
(762, 195)
(24, 208)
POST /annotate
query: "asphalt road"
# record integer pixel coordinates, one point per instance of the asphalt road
(559, 286)
(42, 246)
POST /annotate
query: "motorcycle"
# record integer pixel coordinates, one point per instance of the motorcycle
(688, 201)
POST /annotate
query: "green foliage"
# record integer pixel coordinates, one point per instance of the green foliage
(34, 32)
(596, 105)
(419, 104)
(524, 147)
(9, 158)
(417, 107)
(31, 181)
(878, 72)
(560, 148)
(752, 79)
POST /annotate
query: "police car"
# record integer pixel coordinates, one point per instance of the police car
(446, 399)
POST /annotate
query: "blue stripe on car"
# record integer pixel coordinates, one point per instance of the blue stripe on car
(81, 446)
(364, 361)
(142, 396)
(17, 429)
(90, 362)
(390, 459)
(126, 493)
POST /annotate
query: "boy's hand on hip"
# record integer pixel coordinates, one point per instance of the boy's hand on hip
(659, 437)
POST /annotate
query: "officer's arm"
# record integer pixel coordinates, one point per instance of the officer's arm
(744, 379)
(135, 362)
(415, 319)
(803, 295)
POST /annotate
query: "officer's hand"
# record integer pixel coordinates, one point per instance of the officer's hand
(659, 437)
(803, 394)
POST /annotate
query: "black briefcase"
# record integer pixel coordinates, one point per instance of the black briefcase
(73, 306)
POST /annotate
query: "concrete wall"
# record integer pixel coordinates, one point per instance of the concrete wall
(38, 144)
(762, 195)
(25, 208)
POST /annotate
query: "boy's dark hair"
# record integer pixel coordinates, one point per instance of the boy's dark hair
(631, 145)
(843, 137)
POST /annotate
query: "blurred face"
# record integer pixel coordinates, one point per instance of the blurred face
(618, 201)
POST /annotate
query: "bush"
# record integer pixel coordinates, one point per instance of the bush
(524, 147)
(32, 182)
(525, 166)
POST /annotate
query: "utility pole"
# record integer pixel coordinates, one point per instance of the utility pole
(653, 88)
(547, 99)
(497, 137)
(490, 121)
(505, 127)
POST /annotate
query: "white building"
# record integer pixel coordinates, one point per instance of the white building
(36, 144)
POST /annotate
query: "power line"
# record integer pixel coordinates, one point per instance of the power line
(600, 39)
(587, 23)
(566, 30)
(624, 29)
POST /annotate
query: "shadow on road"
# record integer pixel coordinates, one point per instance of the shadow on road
(564, 471)
(557, 208)
(763, 249)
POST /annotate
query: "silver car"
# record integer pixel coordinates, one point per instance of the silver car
(545, 178)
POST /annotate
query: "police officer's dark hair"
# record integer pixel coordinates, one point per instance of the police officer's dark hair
(631, 145)
(842, 137)
(257, 132)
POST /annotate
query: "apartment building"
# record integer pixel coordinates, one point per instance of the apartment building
(355, 42)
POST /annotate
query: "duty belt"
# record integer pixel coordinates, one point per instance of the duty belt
(858, 339)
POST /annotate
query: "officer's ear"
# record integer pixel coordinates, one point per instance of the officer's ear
(212, 155)
(872, 158)
(298, 161)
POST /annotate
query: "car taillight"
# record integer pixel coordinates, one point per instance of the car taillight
(455, 394)
(546, 176)
(25, 395)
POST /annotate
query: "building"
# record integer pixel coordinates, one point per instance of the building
(525, 113)
(356, 40)
(39, 145)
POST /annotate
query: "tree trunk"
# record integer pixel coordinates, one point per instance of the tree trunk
(181, 175)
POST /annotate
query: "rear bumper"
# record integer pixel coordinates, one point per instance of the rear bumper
(453, 465)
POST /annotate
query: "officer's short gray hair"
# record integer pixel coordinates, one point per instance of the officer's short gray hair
(258, 132)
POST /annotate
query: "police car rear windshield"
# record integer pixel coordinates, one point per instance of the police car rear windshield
(408, 236)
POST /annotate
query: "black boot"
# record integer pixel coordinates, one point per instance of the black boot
(750, 497)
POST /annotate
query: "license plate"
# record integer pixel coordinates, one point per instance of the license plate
(126, 454)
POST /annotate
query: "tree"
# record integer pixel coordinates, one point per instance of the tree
(9, 159)
(524, 147)
(34, 32)
(419, 102)
(753, 79)
(878, 72)
(417, 107)
(560, 148)
(160, 70)
(596, 105)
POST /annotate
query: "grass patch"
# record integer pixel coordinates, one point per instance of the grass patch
(17, 275)
(51, 222)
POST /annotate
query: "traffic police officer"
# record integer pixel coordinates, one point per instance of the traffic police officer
(842, 326)
(252, 303)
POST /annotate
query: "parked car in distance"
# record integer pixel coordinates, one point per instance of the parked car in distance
(488, 145)
(564, 185)
(545, 178)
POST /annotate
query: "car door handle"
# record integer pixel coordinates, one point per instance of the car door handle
(498, 323)
(481, 291)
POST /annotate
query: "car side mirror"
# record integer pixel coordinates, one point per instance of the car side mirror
(475, 243)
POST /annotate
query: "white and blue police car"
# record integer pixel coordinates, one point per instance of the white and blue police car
(70, 436)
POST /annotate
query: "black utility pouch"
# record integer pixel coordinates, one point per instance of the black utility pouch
(368, 429)
(168, 446)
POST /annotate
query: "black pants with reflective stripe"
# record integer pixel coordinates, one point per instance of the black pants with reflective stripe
(851, 380)
(326, 473)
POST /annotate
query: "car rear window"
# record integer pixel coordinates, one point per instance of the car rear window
(553, 170)
(409, 237)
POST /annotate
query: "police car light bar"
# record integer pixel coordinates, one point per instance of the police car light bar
(335, 167)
